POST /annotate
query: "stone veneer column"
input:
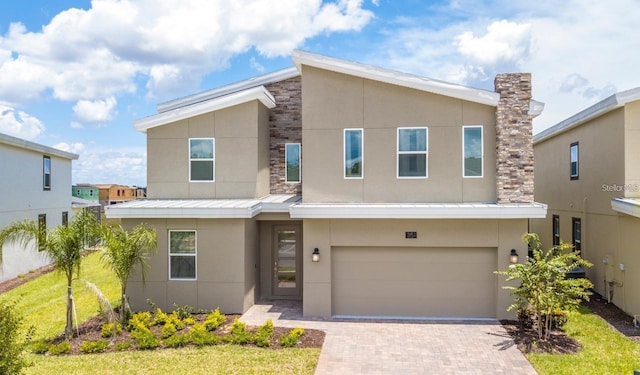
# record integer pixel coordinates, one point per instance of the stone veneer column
(514, 143)
(285, 126)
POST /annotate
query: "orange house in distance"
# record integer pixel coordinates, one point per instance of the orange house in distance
(112, 193)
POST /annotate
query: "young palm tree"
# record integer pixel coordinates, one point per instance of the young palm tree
(123, 250)
(63, 244)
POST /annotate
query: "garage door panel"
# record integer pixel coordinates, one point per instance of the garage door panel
(454, 282)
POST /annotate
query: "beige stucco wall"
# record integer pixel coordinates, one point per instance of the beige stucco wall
(333, 102)
(241, 155)
(327, 234)
(226, 255)
(631, 147)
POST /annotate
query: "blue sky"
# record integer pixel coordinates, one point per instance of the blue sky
(76, 74)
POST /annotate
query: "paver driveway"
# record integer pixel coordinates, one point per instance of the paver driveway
(402, 347)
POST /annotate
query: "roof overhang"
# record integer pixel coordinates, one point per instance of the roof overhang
(32, 146)
(418, 211)
(259, 93)
(201, 208)
(628, 206)
(602, 107)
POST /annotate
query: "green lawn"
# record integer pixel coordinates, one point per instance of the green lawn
(43, 305)
(605, 350)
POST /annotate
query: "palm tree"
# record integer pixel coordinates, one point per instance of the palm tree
(63, 244)
(123, 250)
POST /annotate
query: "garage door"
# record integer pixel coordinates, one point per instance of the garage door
(414, 282)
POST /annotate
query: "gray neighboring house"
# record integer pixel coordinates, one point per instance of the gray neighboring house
(35, 185)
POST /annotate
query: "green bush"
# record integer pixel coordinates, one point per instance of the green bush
(178, 340)
(40, 347)
(262, 338)
(12, 345)
(123, 345)
(144, 338)
(214, 320)
(183, 311)
(176, 320)
(160, 317)
(62, 348)
(108, 329)
(94, 346)
(291, 338)
(189, 321)
(239, 333)
(168, 330)
(200, 336)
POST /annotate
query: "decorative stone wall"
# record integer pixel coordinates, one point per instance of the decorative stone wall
(514, 144)
(285, 126)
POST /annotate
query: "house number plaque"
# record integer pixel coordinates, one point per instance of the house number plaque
(410, 234)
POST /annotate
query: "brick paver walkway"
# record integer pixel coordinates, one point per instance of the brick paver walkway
(402, 347)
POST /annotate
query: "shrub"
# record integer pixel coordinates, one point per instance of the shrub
(189, 321)
(263, 336)
(62, 348)
(239, 333)
(200, 336)
(291, 338)
(183, 311)
(176, 321)
(214, 320)
(123, 345)
(142, 318)
(108, 329)
(94, 346)
(12, 345)
(178, 340)
(144, 338)
(40, 347)
(160, 317)
(168, 330)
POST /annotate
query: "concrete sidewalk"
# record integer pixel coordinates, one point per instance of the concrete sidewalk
(366, 346)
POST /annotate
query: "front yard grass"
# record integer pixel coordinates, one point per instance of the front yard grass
(604, 350)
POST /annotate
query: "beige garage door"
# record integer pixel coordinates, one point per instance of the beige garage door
(414, 282)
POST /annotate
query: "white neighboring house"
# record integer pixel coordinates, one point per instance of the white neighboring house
(35, 184)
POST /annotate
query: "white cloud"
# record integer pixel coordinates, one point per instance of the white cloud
(19, 124)
(107, 49)
(75, 148)
(93, 111)
(119, 165)
(255, 65)
(504, 41)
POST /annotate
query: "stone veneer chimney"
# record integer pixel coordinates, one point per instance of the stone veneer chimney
(514, 143)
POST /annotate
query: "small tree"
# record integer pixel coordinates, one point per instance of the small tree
(13, 344)
(544, 287)
(122, 250)
(63, 244)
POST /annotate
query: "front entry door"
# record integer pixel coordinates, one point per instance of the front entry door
(286, 262)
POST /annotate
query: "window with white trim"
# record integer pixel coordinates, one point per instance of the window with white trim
(413, 152)
(182, 254)
(201, 159)
(472, 149)
(574, 161)
(292, 162)
(46, 173)
(353, 153)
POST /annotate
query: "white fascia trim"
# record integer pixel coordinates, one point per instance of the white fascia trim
(393, 77)
(279, 75)
(182, 213)
(626, 206)
(257, 93)
(418, 211)
(604, 106)
(32, 146)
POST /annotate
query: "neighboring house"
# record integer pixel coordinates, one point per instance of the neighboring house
(360, 190)
(588, 173)
(35, 185)
(86, 191)
(79, 204)
(111, 193)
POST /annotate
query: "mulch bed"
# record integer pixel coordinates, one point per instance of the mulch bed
(559, 343)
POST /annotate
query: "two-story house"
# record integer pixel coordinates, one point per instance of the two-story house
(587, 171)
(109, 194)
(360, 190)
(35, 185)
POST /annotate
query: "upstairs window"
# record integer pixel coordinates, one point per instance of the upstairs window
(472, 149)
(574, 161)
(555, 230)
(46, 173)
(576, 233)
(353, 153)
(65, 217)
(201, 159)
(292, 159)
(412, 152)
(182, 254)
